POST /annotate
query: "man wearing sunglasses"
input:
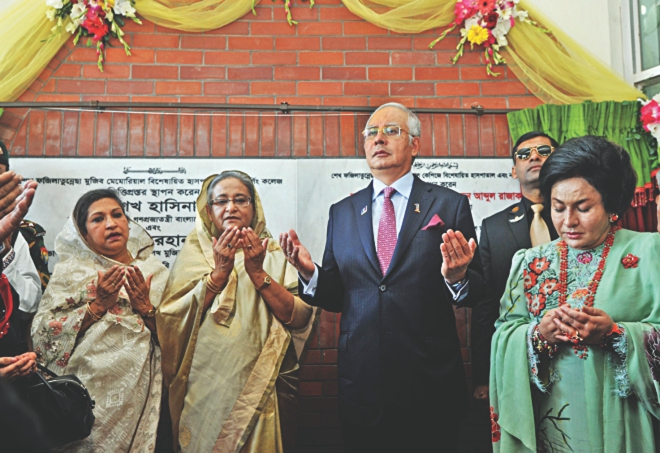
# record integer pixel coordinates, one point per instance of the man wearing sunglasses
(398, 254)
(502, 235)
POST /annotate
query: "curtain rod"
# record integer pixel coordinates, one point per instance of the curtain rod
(284, 107)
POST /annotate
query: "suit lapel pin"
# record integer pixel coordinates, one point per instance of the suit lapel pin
(517, 219)
(516, 209)
(364, 211)
(417, 208)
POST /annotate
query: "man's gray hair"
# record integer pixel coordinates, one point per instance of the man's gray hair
(414, 126)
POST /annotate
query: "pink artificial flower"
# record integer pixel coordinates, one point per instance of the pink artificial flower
(95, 22)
(650, 114)
(465, 9)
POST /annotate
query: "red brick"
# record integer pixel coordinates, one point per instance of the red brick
(472, 149)
(219, 136)
(297, 73)
(155, 41)
(298, 43)
(236, 140)
(449, 43)
(345, 101)
(437, 74)
(321, 58)
(155, 72)
(84, 54)
(275, 88)
(300, 148)
(320, 88)
(80, 86)
(202, 72)
(366, 89)
(152, 142)
(318, 373)
(68, 70)
(57, 98)
(144, 27)
(367, 58)
(45, 74)
(110, 71)
(49, 87)
(10, 120)
(178, 88)
(170, 142)
(502, 139)
(412, 89)
(298, 13)
(413, 58)
(53, 133)
(311, 388)
(397, 43)
(70, 133)
(250, 100)
(98, 98)
(377, 101)
(263, 13)
(250, 73)
(284, 138)
(487, 135)
(227, 58)
(390, 73)
(344, 73)
(179, 56)
(274, 58)
(86, 130)
(332, 148)
(312, 356)
(319, 28)
(240, 43)
(186, 136)
(487, 103)
(363, 28)
(457, 89)
(524, 102)
(226, 88)
(268, 139)
(342, 14)
(456, 140)
(474, 73)
(440, 125)
(438, 103)
(202, 136)
(138, 55)
(102, 140)
(235, 28)
(299, 100)
(252, 132)
(136, 134)
(19, 143)
(203, 99)
(119, 134)
(129, 87)
(503, 88)
(329, 356)
(271, 29)
(154, 98)
(204, 42)
(344, 43)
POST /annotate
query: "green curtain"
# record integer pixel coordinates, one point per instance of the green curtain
(617, 121)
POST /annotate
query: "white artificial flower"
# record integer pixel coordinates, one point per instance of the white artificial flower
(50, 14)
(124, 8)
(500, 31)
(57, 4)
(109, 15)
(71, 27)
(521, 15)
(78, 14)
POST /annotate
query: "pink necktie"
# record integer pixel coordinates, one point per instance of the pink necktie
(387, 231)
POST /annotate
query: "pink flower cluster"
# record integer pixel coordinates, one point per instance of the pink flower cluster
(650, 114)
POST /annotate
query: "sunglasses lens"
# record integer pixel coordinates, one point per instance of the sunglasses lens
(544, 150)
(524, 153)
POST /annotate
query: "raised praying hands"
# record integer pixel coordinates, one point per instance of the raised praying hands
(297, 254)
(457, 254)
(14, 202)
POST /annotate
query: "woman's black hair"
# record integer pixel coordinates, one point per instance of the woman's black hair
(529, 136)
(81, 210)
(604, 165)
(242, 177)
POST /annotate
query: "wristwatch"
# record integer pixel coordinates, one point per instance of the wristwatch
(151, 313)
(267, 281)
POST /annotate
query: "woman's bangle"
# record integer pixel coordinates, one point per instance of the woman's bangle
(608, 339)
(212, 286)
(93, 315)
(541, 345)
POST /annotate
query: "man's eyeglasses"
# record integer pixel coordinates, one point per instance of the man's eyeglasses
(390, 131)
(241, 202)
(541, 150)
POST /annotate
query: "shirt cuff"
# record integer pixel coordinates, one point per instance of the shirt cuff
(459, 289)
(309, 288)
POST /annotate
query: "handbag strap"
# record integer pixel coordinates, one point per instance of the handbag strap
(43, 369)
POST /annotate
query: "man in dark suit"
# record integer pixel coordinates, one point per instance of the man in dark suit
(398, 254)
(502, 235)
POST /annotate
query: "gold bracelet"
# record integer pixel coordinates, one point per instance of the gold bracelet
(94, 316)
(212, 286)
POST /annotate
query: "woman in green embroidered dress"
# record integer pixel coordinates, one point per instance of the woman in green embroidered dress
(573, 356)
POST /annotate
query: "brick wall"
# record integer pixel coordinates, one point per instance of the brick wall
(332, 58)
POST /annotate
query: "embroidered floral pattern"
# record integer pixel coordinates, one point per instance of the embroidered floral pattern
(496, 435)
(630, 261)
(539, 265)
(652, 349)
(585, 258)
(535, 303)
(548, 286)
(529, 279)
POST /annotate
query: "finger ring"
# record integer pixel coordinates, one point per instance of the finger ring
(576, 338)
(229, 246)
(249, 246)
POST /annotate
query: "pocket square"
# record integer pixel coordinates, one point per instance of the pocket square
(435, 222)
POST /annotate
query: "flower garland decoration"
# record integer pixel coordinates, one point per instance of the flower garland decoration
(486, 23)
(99, 20)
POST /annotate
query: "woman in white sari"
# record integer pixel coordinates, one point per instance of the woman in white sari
(96, 320)
(232, 328)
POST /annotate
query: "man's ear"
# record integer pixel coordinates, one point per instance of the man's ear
(514, 175)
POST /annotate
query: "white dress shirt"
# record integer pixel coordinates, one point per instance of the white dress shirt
(22, 275)
(403, 187)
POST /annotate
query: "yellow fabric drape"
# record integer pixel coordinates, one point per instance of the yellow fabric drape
(23, 53)
(193, 15)
(554, 67)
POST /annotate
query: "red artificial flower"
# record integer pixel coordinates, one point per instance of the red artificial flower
(549, 286)
(529, 279)
(630, 261)
(535, 303)
(95, 23)
(486, 6)
(650, 114)
(539, 265)
(491, 20)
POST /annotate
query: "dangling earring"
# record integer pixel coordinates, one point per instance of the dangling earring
(614, 218)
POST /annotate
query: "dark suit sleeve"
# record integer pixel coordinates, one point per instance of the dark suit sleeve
(484, 315)
(465, 224)
(329, 293)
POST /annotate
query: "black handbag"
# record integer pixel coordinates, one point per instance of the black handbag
(63, 405)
